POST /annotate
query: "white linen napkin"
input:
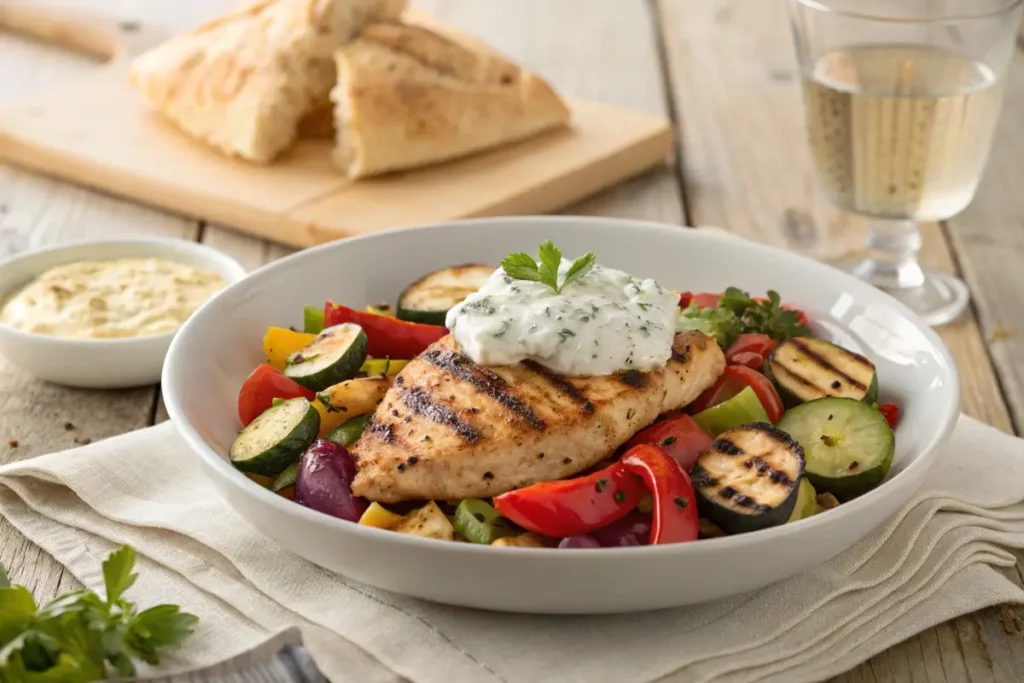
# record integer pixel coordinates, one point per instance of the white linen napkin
(937, 559)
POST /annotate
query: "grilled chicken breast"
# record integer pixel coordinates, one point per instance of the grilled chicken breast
(451, 429)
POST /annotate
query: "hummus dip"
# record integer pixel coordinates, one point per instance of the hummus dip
(109, 299)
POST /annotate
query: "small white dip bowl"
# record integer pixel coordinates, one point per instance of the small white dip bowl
(98, 363)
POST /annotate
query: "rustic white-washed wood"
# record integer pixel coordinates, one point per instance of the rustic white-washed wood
(745, 164)
(36, 212)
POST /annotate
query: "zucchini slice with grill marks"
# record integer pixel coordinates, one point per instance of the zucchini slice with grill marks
(804, 368)
(335, 355)
(748, 478)
(276, 438)
(428, 299)
(848, 444)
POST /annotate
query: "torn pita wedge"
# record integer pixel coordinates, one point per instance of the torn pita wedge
(242, 83)
(408, 96)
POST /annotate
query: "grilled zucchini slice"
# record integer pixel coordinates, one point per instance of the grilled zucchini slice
(276, 438)
(749, 478)
(428, 299)
(335, 355)
(847, 443)
(804, 368)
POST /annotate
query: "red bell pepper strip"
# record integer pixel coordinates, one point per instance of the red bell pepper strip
(261, 387)
(891, 411)
(573, 507)
(734, 379)
(679, 436)
(386, 337)
(750, 349)
(675, 507)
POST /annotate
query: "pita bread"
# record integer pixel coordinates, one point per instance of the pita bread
(408, 96)
(242, 82)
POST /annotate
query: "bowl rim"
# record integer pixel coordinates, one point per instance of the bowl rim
(227, 266)
(242, 485)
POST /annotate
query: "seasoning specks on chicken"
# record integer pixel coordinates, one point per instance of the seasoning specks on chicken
(519, 412)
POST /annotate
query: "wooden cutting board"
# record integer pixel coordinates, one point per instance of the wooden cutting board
(98, 132)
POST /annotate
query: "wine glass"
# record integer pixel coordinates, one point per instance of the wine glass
(901, 100)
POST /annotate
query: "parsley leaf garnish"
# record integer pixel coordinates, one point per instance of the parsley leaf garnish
(82, 637)
(521, 266)
(737, 313)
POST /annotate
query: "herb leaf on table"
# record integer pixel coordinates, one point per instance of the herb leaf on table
(79, 636)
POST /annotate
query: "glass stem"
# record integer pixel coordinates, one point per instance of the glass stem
(892, 260)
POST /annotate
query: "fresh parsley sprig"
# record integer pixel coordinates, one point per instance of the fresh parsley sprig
(737, 313)
(81, 637)
(522, 266)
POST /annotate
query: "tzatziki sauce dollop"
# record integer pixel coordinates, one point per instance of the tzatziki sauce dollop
(603, 322)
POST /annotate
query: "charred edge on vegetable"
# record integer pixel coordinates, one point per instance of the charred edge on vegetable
(729, 493)
(727, 447)
(562, 385)
(419, 402)
(782, 437)
(814, 356)
(486, 381)
(633, 378)
(700, 476)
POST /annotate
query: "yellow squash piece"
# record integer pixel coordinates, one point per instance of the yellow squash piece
(522, 541)
(355, 397)
(428, 521)
(379, 516)
(280, 342)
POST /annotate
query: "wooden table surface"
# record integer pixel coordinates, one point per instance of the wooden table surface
(724, 71)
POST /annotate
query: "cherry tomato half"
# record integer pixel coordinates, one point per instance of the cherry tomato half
(261, 388)
(891, 411)
(750, 349)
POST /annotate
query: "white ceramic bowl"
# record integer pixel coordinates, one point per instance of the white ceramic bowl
(220, 346)
(98, 363)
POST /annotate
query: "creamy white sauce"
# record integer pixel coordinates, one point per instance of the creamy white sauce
(109, 299)
(604, 322)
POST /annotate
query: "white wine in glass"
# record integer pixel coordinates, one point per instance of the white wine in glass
(901, 106)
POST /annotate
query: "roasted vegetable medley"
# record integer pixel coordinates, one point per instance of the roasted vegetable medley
(381, 417)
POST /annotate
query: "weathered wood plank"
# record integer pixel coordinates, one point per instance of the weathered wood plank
(36, 212)
(745, 166)
(989, 242)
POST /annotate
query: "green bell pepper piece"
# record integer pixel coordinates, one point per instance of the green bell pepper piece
(286, 478)
(478, 522)
(349, 431)
(741, 409)
(312, 320)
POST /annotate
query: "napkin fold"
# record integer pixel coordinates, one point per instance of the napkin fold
(940, 557)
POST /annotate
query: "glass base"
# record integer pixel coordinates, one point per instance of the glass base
(939, 298)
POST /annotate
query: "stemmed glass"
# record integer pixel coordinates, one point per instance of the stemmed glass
(901, 100)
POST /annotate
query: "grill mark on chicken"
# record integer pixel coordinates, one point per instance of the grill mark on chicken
(819, 360)
(419, 402)
(485, 381)
(562, 385)
(633, 378)
(384, 431)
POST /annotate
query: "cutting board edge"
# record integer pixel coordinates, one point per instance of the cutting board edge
(91, 173)
(644, 153)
